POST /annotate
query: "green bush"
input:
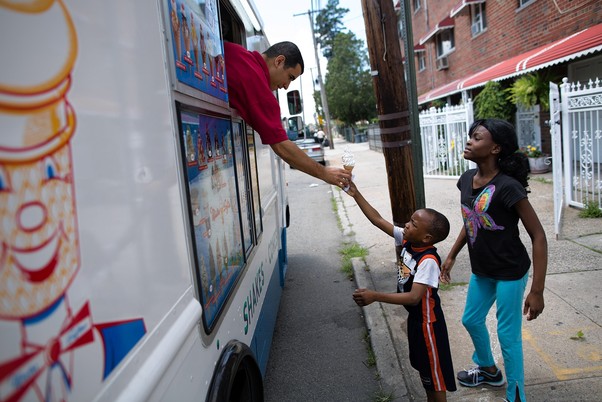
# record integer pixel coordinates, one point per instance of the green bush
(492, 102)
(591, 210)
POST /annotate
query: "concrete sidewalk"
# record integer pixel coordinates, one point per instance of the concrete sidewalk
(563, 347)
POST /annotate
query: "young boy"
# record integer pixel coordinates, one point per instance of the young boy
(417, 287)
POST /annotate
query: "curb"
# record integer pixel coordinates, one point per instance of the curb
(392, 377)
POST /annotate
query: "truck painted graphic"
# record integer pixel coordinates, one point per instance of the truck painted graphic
(42, 329)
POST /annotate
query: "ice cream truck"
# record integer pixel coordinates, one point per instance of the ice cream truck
(142, 221)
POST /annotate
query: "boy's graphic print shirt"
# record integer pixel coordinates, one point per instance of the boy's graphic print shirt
(419, 265)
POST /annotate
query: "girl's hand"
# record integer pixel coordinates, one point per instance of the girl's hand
(363, 297)
(446, 267)
(534, 305)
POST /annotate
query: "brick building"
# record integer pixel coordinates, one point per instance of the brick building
(458, 43)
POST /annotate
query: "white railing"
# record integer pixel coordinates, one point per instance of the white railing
(581, 116)
(443, 133)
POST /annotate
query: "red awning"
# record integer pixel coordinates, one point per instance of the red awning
(419, 48)
(446, 23)
(460, 6)
(577, 45)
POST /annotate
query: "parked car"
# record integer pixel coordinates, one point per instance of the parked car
(313, 149)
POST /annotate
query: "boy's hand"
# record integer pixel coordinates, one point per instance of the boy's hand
(352, 189)
(363, 297)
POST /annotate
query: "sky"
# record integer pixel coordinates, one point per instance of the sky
(281, 24)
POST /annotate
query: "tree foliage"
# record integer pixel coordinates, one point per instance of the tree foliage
(492, 102)
(329, 23)
(348, 83)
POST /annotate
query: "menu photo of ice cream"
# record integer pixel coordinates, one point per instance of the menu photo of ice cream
(197, 47)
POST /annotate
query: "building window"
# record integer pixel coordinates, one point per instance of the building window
(477, 18)
(445, 42)
(421, 59)
(523, 3)
(416, 5)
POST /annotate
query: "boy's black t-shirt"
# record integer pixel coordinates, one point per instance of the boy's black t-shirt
(491, 224)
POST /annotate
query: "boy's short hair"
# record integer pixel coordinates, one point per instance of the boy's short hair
(439, 229)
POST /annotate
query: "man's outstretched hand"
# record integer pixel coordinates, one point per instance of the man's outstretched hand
(337, 176)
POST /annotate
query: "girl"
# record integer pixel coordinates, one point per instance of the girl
(493, 198)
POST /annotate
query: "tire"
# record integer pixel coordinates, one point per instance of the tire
(237, 377)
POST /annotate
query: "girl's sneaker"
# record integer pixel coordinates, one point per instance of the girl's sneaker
(475, 377)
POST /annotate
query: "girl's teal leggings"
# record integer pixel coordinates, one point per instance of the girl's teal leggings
(508, 295)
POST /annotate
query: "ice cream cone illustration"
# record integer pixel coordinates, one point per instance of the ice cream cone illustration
(40, 253)
(176, 28)
(186, 33)
(195, 43)
(37, 123)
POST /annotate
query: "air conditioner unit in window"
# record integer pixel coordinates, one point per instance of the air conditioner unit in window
(442, 63)
(475, 28)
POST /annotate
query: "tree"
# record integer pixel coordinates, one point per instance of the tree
(348, 81)
(328, 25)
(318, 102)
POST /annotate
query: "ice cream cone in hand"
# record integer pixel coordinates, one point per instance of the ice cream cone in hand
(348, 163)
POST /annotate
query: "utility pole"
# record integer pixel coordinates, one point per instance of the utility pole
(394, 116)
(320, 81)
(408, 42)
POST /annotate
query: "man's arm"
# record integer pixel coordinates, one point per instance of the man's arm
(295, 157)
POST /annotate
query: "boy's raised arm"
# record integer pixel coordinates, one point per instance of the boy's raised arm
(368, 210)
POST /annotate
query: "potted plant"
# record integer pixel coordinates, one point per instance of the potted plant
(530, 90)
(538, 162)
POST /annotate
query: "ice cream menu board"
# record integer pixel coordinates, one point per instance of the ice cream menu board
(213, 202)
(196, 45)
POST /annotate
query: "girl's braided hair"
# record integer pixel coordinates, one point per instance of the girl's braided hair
(511, 162)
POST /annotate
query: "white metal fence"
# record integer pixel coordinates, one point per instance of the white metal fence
(443, 133)
(581, 117)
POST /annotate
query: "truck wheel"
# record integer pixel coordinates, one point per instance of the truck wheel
(237, 377)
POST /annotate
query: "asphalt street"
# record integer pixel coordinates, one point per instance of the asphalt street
(320, 349)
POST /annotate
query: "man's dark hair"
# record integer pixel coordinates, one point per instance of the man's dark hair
(291, 53)
(439, 225)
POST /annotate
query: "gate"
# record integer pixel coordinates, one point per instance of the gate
(556, 135)
(443, 133)
(581, 116)
(528, 130)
